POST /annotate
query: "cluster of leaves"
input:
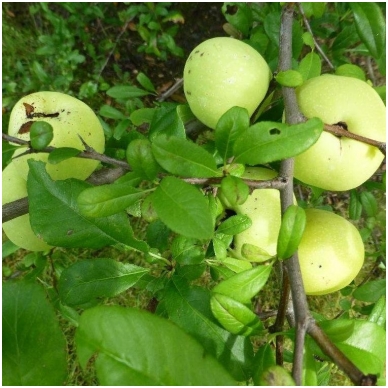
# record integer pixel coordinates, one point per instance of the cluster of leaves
(187, 236)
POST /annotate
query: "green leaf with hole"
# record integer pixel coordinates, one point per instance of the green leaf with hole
(229, 127)
(244, 285)
(126, 347)
(184, 158)
(41, 134)
(291, 231)
(370, 25)
(88, 280)
(106, 200)
(235, 316)
(183, 208)
(267, 142)
(34, 348)
(289, 78)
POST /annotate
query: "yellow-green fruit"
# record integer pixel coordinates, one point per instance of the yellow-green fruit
(70, 118)
(331, 252)
(19, 229)
(339, 163)
(263, 207)
(221, 73)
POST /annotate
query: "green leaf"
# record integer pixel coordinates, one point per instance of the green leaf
(229, 127)
(183, 157)
(264, 359)
(276, 376)
(349, 70)
(236, 265)
(310, 66)
(34, 348)
(235, 316)
(107, 200)
(254, 253)
(235, 190)
(355, 206)
(131, 351)
(60, 154)
(141, 159)
(379, 312)
(124, 92)
(289, 78)
(167, 121)
(145, 82)
(308, 40)
(238, 15)
(369, 203)
(244, 285)
(267, 142)
(370, 291)
(235, 224)
(54, 214)
(183, 208)
(91, 279)
(111, 113)
(370, 25)
(142, 115)
(41, 134)
(189, 308)
(291, 231)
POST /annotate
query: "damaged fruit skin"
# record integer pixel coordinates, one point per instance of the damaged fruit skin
(340, 163)
(221, 73)
(70, 119)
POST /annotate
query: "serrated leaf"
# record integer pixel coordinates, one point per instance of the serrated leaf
(267, 142)
(60, 154)
(91, 279)
(370, 291)
(183, 208)
(291, 231)
(135, 359)
(370, 25)
(54, 214)
(166, 121)
(234, 316)
(229, 127)
(141, 159)
(183, 157)
(289, 78)
(124, 92)
(106, 200)
(244, 285)
(235, 224)
(189, 308)
(34, 348)
(310, 66)
(369, 203)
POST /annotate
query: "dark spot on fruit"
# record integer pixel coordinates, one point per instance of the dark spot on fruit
(25, 128)
(197, 51)
(319, 266)
(274, 131)
(189, 71)
(202, 54)
(29, 109)
(189, 93)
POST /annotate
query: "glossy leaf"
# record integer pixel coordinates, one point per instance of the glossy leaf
(238, 15)
(124, 92)
(236, 265)
(34, 348)
(378, 314)
(88, 280)
(145, 82)
(166, 121)
(254, 253)
(41, 134)
(189, 308)
(235, 190)
(111, 113)
(355, 206)
(310, 66)
(264, 359)
(59, 154)
(183, 208)
(291, 231)
(267, 142)
(244, 285)
(184, 158)
(107, 200)
(141, 159)
(369, 203)
(54, 214)
(349, 70)
(370, 291)
(235, 316)
(235, 224)
(130, 350)
(370, 25)
(229, 127)
(289, 78)
(142, 115)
